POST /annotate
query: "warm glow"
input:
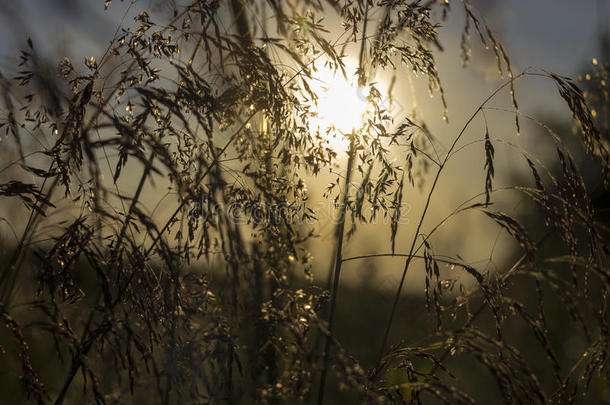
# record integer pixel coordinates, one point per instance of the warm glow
(341, 104)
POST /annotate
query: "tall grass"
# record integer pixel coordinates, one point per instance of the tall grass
(216, 300)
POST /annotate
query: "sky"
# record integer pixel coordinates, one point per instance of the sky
(557, 35)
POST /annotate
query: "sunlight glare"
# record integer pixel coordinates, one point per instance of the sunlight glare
(341, 104)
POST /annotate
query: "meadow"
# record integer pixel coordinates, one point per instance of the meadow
(243, 201)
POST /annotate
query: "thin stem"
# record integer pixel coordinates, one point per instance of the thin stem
(199, 180)
(339, 234)
(374, 255)
(240, 19)
(113, 258)
(339, 230)
(388, 328)
(479, 310)
(8, 278)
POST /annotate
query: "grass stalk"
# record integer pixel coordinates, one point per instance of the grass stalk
(336, 269)
(388, 328)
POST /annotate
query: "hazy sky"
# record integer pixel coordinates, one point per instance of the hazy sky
(558, 35)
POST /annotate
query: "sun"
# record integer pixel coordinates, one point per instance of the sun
(341, 104)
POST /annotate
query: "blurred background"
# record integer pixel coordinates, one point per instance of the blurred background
(561, 36)
(557, 35)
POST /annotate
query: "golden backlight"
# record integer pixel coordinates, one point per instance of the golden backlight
(341, 104)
